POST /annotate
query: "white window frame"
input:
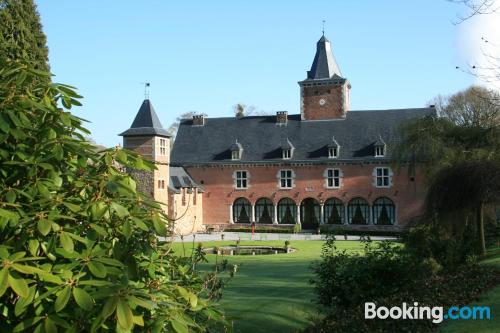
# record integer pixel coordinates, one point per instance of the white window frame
(235, 155)
(287, 154)
(286, 177)
(380, 151)
(384, 174)
(241, 179)
(333, 152)
(333, 178)
(162, 147)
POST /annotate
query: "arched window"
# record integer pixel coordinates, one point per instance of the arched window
(264, 211)
(384, 211)
(242, 210)
(358, 211)
(310, 212)
(334, 211)
(287, 211)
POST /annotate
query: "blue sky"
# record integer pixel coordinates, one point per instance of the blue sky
(206, 56)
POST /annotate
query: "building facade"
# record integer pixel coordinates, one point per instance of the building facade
(327, 165)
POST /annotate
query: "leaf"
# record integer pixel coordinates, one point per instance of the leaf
(7, 214)
(109, 307)
(83, 299)
(159, 225)
(178, 326)
(127, 229)
(141, 302)
(62, 299)
(193, 300)
(10, 196)
(119, 209)
(74, 208)
(124, 314)
(26, 323)
(138, 320)
(50, 326)
(44, 226)
(97, 269)
(19, 286)
(66, 242)
(33, 245)
(3, 281)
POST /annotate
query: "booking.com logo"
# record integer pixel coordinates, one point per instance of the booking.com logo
(436, 313)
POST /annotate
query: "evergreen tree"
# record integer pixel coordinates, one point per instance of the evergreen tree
(21, 35)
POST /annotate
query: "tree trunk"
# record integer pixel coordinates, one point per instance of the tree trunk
(480, 229)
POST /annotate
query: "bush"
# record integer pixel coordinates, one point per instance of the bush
(388, 275)
(447, 249)
(78, 243)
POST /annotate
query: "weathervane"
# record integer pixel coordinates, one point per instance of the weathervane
(146, 89)
(323, 27)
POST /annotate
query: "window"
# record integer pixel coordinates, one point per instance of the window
(379, 151)
(287, 154)
(333, 178)
(384, 211)
(286, 179)
(334, 211)
(241, 179)
(287, 211)
(359, 211)
(235, 155)
(242, 210)
(382, 177)
(161, 184)
(264, 211)
(333, 152)
(163, 147)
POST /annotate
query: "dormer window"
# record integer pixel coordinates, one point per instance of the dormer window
(287, 154)
(333, 148)
(236, 151)
(380, 147)
(287, 150)
(333, 152)
(380, 151)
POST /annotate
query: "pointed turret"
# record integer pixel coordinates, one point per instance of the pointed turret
(324, 93)
(324, 65)
(146, 122)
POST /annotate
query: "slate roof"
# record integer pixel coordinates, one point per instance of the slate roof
(179, 178)
(146, 122)
(262, 138)
(324, 65)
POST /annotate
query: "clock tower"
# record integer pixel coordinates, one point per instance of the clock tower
(324, 94)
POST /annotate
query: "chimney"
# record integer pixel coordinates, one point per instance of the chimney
(281, 117)
(198, 120)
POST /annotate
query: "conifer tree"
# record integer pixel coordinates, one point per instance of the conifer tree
(21, 35)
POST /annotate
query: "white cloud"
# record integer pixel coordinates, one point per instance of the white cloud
(479, 41)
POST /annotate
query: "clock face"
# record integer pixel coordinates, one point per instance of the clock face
(322, 102)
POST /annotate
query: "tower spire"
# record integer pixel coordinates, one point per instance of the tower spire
(323, 30)
(146, 89)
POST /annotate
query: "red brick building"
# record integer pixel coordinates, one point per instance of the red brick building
(326, 165)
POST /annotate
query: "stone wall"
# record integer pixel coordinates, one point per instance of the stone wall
(186, 211)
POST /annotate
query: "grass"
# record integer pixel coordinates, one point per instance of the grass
(490, 298)
(272, 293)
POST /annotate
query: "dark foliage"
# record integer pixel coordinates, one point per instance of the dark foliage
(388, 275)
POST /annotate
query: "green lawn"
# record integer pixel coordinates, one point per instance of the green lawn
(271, 293)
(491, 298)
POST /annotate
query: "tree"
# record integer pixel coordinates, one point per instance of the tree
(472, 107)
(21, 35)
(79, 245)
(467, 132)
(468, 185)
